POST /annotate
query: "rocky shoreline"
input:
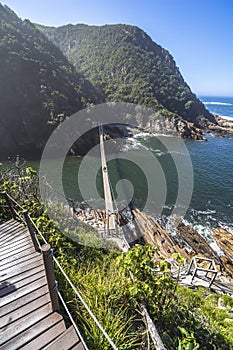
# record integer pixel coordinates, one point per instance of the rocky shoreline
(170, 126)
(222, 128)
(187, 242)
(187, 130)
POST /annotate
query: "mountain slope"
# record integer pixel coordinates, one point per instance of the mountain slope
(125, 64)
(38, 86)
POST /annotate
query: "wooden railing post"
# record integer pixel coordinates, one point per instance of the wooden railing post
(8, 202)
(48, 262)
(32, 231)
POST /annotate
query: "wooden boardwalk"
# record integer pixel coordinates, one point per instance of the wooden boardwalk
(27, 318)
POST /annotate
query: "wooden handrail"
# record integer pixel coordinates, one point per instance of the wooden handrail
(34, 238)
(9, 203)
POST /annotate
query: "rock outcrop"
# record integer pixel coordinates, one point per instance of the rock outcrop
(186, 241)
(225, 242)
(223, 127)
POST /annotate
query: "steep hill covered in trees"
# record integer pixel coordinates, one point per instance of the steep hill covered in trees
(125, 64)
(38, 86)
(49, 73)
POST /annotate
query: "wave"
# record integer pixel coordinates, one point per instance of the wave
(151, 134)
(205, 231)
(226, 117)
(134, 143)
(218, 103)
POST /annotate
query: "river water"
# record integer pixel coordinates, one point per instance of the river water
(212, 197)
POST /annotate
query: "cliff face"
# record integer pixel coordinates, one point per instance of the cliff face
(38, 87)
(124, 64)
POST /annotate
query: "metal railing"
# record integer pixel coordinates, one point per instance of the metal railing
(49, 258)
(196, 268)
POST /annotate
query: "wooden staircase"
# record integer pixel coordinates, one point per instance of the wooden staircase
(27, 316)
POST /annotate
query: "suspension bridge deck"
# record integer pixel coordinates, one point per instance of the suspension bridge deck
(110, 215)
(27, 318)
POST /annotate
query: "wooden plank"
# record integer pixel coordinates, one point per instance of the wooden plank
(8, 226)
(23, 291)
(16, 251)
(37, 330)
(79, 346)
(14, 257)
(46, 337)
(8, 222)
(13, 237)
(26, 309)
(19, 261)
(15, 244)
(23, 275)
(10, 231)
(10, 240)
(24, 299)
(21, 325)
(16, 286)
(10, 235)
(13, 271)
(65, 341)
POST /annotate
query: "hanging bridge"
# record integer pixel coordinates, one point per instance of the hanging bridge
(110, 213)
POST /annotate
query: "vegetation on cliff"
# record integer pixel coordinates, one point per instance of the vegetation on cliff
(38, 86)
(124, 64)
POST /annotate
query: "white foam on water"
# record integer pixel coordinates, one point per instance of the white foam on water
(151, 134)
(207, 233)
(226, 117)
(133, 144)
(218, 103)
(226, 227)
(204, 231)
(142, 134)
(206, 212)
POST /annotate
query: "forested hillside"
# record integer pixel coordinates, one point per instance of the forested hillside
(126, 65)
(38, 86)
(49, 73)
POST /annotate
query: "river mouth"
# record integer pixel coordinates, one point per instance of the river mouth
(211, 203)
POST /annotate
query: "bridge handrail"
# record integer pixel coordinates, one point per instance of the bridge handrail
(9, 201)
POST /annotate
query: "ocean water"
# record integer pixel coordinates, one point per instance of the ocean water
(212, 198)
(223, 106)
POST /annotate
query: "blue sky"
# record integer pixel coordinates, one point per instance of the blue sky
(198, 33)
